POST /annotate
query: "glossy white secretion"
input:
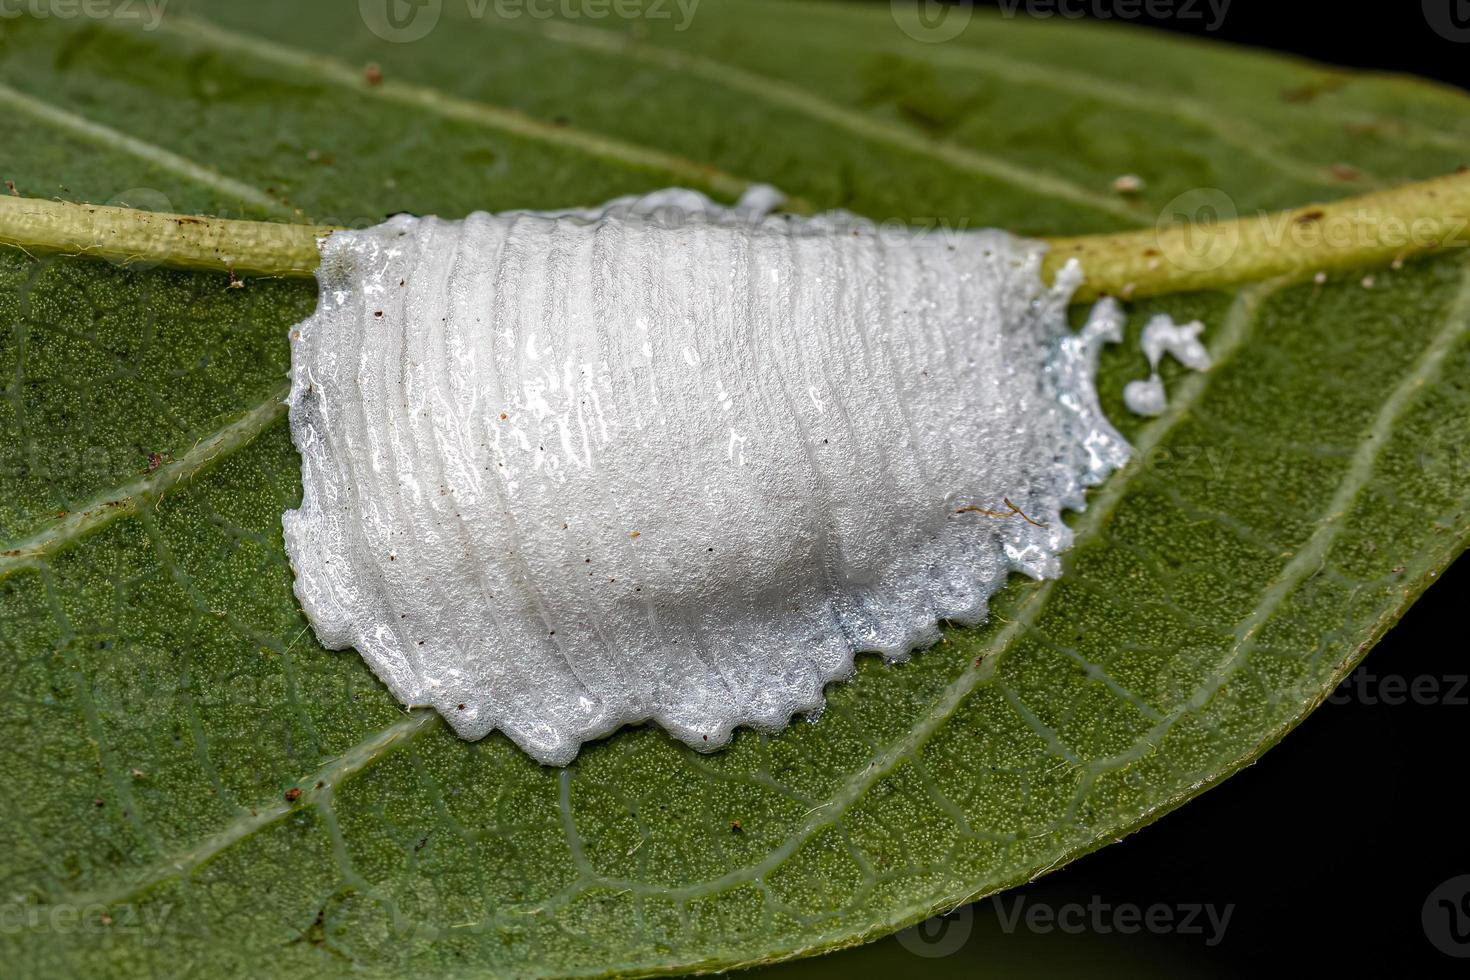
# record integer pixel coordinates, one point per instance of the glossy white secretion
(1161, 335)
(666, 460)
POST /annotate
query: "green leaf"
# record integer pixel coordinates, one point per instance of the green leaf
(165, 700)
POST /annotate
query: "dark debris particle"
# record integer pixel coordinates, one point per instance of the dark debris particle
(293, 794)
(372, 73)
(154, 461)
(735, 827)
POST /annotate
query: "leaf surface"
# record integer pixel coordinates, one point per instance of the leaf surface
(163, 695)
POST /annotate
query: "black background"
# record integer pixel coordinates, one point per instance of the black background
(1330, 844)
(1392, 36)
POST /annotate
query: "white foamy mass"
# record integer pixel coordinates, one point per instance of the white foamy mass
(675, 462)
(1161, 335)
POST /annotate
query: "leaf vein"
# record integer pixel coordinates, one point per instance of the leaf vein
(109, 138)
(792, 97)
(128, 499)
(486, 115)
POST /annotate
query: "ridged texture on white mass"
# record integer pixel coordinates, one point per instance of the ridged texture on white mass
(669, 461)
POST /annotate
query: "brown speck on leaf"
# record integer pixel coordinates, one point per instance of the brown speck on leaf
(105, 919)
(235, 281)
(154, 462)
(97, 801)
(459, 707)
(635, 534)
(320, 783)
(293, 794)
(372, 73)
(1344, 171)
(1308, 217)
(1309, 91)
(735, 827)
(10, 185)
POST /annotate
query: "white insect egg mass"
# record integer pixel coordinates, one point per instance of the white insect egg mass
(670, 461)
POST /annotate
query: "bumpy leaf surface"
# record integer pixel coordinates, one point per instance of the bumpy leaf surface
(163, 698)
